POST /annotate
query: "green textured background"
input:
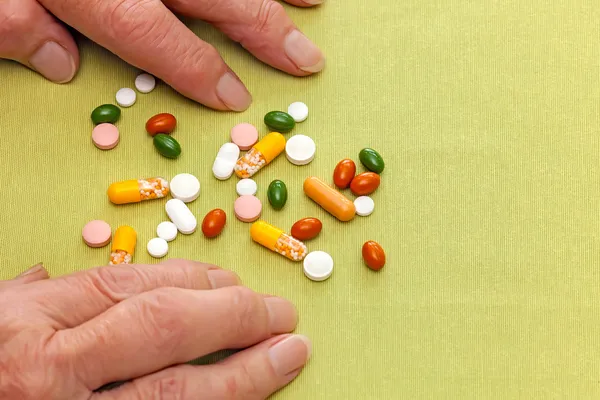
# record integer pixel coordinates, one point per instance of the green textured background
(486, 113)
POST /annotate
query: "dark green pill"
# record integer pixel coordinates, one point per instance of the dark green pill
(277, 194)
(371, 160)
(167, 146)
(279, 121)
(106, 113)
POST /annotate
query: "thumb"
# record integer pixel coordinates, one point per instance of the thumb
(33, 37)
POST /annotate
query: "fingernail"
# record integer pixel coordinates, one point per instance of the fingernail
(233, 93)
(54, 62)
(290, 354)
(220, 278)
(282, 315)
(303, 52)
(36, 268)
(314, 2)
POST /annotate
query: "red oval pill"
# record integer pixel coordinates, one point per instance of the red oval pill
(306, 228)
(344, 173)
(213, 223)
(161, 123)
(365, 183)
(373, 254)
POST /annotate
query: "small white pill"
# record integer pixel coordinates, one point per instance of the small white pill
(364, 206)
(185, 187)
(298, 111)
(246, 186)
(145, 83)
(166, 230)
(300, 150)
(181, 216)
(157, 247)
(126, 97)
(225, 161)
(318, 265)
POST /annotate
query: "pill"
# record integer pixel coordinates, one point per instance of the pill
(225, 161)
(166, 230)
(365, 183)
(276, 240)
(134, 191)
(126, 97)
(105, 136)
(279, 121)
(96, 233)
(157, 247)
(260, 155)
(145, 83)
(181, 216)
(277, 194)
(318, 266)
(166, 145)
(213, 223)
(244, 136)
(344, 173)
(247, 208)
(373, 255)
(161, 123)
(298, 110)
(364, 206)
(185, 187)
(106, 113)
(300, 149)
(329, 199)
(123, 245)
(246, 186)
(306, 228)
(372, 160)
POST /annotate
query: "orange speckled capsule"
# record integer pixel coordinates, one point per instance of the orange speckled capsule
(213, 223)
(373, 254)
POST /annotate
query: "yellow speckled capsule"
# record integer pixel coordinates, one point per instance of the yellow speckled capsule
(134, 191)
(261, 154)
(276, 240)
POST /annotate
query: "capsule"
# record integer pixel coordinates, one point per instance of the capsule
(261, 154)
(134, 191)
(334, 202)
(276, 240)
(123, 245)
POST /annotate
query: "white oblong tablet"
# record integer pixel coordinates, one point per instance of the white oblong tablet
(157, 247)
(300, 149)
(298, 111)
(145, 83)
(185, 187)
(181, 216)
(246, 187)
(229, 151)
(318, 266)
(166, 230)
(364, 206)
(126, 97)
(223, 169)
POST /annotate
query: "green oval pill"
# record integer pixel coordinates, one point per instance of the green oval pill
(371, 160)
(167, 146)
(106, 113)
(277, 194)
(279, 121)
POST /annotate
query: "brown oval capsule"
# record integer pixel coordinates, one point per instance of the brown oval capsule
(373, 254)
(161, 123)
(306, 228)
(213, 223)
(365, 183)
(344, 173)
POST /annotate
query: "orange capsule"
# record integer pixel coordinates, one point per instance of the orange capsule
(161, 123)
(365, 183)
(344, 173)
(306, 228)
(332, 201)
(373, 254)
(213, 223)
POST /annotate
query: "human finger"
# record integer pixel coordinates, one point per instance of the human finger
(305, 3)
(147, 35)
(35, 273)
(33, 37)
(172, 326)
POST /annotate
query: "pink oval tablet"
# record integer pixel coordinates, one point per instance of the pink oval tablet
(247, 208)
(244, 136)
(105, 136)
(96, 233)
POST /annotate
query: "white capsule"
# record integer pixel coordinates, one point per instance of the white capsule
(225, 161)
(181, 216)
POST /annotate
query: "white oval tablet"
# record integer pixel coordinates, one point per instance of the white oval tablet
(318, 265)
(185, 187)
(145, 83)
(364, 206)
(181, 216)
(225, 161)
(246, 186)
(126, 97)
(166, 230)
(298, 111)
(300, 149)
(157, 247)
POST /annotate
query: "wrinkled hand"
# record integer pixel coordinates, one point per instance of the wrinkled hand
(148, 35)
(64, 338)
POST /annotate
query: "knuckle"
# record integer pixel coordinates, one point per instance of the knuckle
(117, 283)
(268, 11)
(134, 20)
(167, 386)
(243, 302)
(241, 384)
(202, 58)
(15, 19)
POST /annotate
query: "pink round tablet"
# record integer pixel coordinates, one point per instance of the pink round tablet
(247, 208)
(96, 233)
(244, 135)
(105, 136)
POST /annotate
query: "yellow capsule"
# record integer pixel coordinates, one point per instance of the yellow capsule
(261, 154)
(134, 191)
(123, 245)
(276, 240)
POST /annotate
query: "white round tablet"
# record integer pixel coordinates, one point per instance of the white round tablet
(318, 265)
(126, 97)
(298, 111)
(300, 149)
(185, 187)
(246, 186)
(364, 206)
(158, 247)
(166, 230)
(145, 83)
